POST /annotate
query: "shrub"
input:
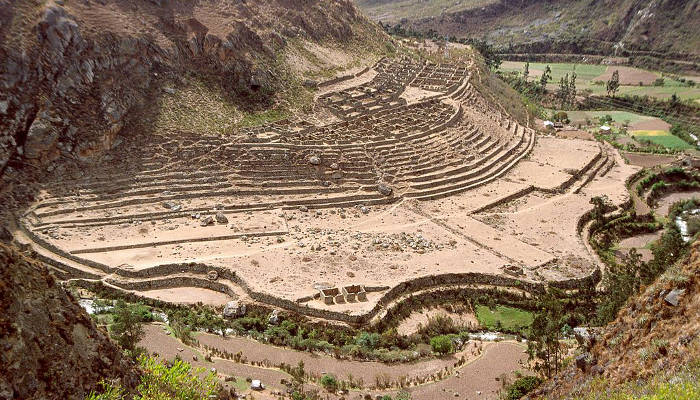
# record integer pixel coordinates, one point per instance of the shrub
(659, 82)
(158, 381)
(522, 386)
(442, 344)
(368, 340)
(329, 382)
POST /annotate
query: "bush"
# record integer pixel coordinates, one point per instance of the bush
(329, 383)
(659, 82)
(158, 381)
(522, 386)
(368, 340)
(442, 344)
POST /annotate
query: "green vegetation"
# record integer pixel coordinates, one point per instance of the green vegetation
(127, 328)
(329, 383)
(161, 382)
(683, 385)
(442, 344)
(522, 386)
(504, 318)
(197, 107)
(549, 324)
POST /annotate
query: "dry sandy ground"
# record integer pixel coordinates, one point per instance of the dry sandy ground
(628, 75)
(648, 160)
(189, 295)
(575, 134)
(477, 375)
(664, 204)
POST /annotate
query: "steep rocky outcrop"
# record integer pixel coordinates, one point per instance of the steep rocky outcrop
(51, 349)
(73, 72)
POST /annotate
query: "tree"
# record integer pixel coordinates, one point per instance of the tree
(564, 90)
(613, 84)
(544, 347)
(546, 77)
(442, 344)
(601, 205)
(127, 329)
(526, 73)
(572, 88)
(620, 282)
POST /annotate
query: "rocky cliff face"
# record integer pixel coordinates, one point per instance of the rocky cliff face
(51, 349)
(73, 71)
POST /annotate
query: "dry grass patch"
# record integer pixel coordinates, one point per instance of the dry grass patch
(197, 107)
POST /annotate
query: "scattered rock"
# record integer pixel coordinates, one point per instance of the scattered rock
(314, 160)
(169, 90)
(673, 297)
(212, 275)
(303, 208)
(5, 235)
(274, 318)
(172, 206)
(310, 84)
(221, 218)
(209, 220)
(384, 189)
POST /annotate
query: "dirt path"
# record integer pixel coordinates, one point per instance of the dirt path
(257, 352)
(475, 379)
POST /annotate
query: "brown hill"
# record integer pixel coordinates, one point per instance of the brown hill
(546, 26)
(74, 73)
(51, 349)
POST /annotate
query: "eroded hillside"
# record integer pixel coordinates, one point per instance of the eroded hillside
(74, 74)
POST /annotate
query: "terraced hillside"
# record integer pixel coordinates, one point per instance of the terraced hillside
(321, 214)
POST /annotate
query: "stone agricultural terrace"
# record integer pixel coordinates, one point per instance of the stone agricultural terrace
(411, 182)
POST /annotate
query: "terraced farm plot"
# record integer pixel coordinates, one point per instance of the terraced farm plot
(339, 217)
(663, 138)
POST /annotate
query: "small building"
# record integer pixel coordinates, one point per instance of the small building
(604, 129)
(549, 125)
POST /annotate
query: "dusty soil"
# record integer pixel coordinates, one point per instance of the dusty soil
(188, 295)
(420, 318)
(628, 75)
(655, 124)
(648, 160)
(664, 204)
(575, 134)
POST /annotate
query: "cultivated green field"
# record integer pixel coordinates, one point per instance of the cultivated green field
(586, 75)
(510, 318)
(662, 138)
(619, 117)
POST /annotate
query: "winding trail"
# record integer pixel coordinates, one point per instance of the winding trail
(478, 374)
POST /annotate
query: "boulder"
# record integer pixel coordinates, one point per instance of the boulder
(314, 160)
(41, 137)
(221, 218)
(209, 220)
(384, 189)
(171, 205)
(274, 318)
(234, 309)
(673, 297)
(5, 235)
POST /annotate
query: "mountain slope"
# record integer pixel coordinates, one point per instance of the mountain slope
(51, 349)
(650, 340)
(544, 26)
(74, 73)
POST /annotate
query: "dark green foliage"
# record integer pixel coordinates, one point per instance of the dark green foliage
(522, 386)
(127, 328)
(544, 348)
(613, 84)
(442, 344)
(329, 382)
